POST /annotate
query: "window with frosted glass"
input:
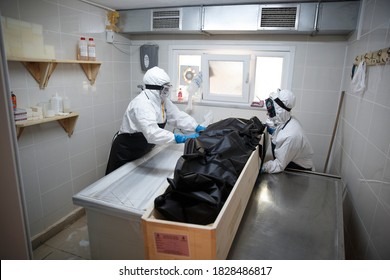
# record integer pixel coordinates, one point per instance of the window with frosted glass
(268, 76)
(225, 78)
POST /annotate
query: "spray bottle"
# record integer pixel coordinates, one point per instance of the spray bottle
(193, 88)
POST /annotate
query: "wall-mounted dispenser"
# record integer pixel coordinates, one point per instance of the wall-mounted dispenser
(148, 56)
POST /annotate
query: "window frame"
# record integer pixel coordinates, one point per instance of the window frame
(286, 79)
(209, 96)
(253, 50)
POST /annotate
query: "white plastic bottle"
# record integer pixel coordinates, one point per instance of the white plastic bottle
(91, 49)
(82, 52)
(192, 89)
(56, 104)
(66, 104)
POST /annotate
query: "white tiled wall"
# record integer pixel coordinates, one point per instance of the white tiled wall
(54, 166)
(363, 142)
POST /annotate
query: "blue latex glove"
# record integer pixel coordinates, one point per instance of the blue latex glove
(180, 138)
(200, 128)
(262, 170)
(270, 129)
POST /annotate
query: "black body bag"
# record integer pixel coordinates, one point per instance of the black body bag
(206, 173)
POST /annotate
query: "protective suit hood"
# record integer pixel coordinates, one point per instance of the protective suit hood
(288, 99)
(157, 77)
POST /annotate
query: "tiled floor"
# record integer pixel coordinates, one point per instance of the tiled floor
(70, 244)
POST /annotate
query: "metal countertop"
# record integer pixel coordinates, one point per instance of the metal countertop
(130, 189)
(292, 215)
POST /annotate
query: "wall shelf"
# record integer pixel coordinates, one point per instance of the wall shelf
(41, 69)
(67, 122)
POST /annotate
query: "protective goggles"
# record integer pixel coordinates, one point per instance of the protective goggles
(164, 89)
(269, 103)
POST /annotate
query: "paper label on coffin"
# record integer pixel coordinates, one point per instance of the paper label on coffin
(173, 244)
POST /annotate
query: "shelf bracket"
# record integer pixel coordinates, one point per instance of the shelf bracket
(41, 71)
(91, 71)
(19, 131)
(68, 124)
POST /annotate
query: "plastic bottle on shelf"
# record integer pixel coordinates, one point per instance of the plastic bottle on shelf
(66, 104)
(91, 49)
(82, 52)
(56, 104)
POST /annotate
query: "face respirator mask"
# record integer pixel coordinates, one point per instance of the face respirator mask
(269, 103)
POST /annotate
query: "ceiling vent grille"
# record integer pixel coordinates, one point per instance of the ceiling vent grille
(274, 17)
(166, 20)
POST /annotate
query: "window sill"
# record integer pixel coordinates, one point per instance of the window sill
(220, 104)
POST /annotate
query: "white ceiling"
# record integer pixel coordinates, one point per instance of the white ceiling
(139, 4)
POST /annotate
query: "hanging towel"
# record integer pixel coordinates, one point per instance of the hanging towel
(358, 83)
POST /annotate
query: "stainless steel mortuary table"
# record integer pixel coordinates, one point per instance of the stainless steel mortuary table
(115, 204)
(292, 215)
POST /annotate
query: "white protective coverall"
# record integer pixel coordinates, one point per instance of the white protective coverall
(144, 121)
(144, 112)
(290, 145)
